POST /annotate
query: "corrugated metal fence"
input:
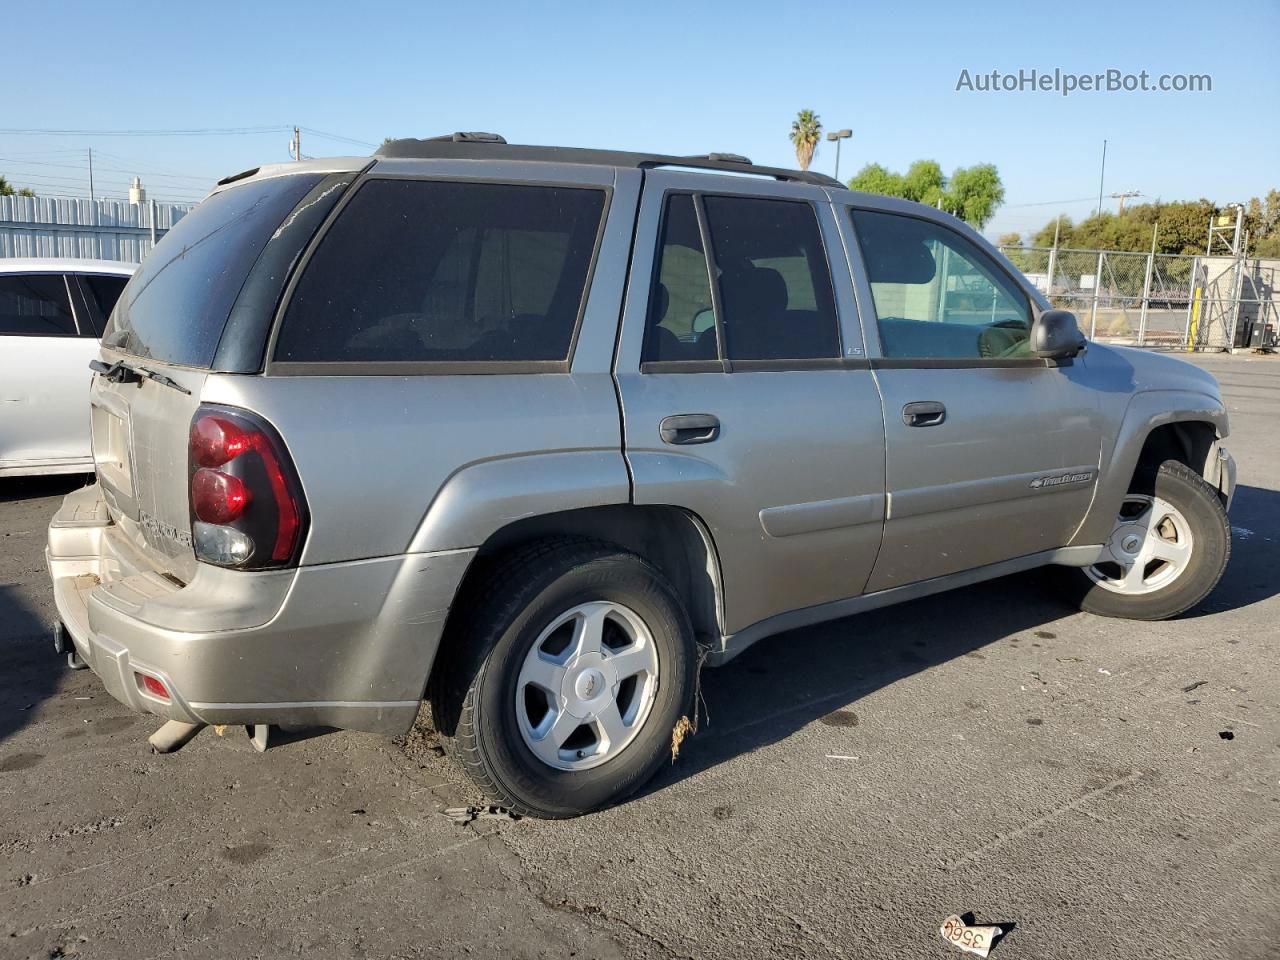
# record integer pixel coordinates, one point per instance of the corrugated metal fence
(100, 229)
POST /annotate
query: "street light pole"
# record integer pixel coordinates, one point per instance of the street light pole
(1102, 176)
(837, 136)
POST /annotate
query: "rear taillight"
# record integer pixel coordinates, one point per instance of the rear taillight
(247, 507)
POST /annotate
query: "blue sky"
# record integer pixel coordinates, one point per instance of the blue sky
(669, 77)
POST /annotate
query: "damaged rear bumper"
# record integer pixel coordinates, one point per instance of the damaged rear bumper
(346, 645)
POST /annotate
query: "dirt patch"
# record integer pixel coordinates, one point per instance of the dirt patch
(20, 761)
(246, 853)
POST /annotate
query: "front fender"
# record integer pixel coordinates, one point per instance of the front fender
(1146, 411)
(481, 498)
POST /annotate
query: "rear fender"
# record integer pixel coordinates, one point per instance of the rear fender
(481, 498)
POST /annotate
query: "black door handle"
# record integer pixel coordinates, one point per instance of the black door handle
(689, 428)
(924, 413)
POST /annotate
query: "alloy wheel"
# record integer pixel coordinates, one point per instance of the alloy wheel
(1149, 547)
(587, 686)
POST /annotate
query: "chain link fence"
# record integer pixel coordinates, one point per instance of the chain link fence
(1158, 299)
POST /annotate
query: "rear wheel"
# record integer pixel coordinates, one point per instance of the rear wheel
(1167, 549)
(574, 664)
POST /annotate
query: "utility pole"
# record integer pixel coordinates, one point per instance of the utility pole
(1122, 197)
(1053, 257)
(1102, 176)
(91, 197)
(1146, 284)
(295, 145)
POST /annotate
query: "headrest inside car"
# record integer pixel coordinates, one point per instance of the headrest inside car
(899, 259)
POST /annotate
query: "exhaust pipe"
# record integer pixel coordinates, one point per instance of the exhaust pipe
(173, 735)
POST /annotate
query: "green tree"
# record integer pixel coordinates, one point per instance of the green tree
(7, 189)
(925, 183)
(1262, 221)
(1043, 237)
(873, 178)
(971, 193)
(806, 129)
(1183, 228)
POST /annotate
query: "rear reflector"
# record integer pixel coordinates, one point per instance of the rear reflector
(153, 686)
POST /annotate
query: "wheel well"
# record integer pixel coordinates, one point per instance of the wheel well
(673, 540)
(1189, 442)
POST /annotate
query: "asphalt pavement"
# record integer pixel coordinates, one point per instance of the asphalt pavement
(1107, 788)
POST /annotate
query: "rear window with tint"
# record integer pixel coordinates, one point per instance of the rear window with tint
(176, 306)
(436, 271)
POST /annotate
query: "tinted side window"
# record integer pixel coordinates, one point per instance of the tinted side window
(440, 271)
(937, 294)
(35, 306)
(775, 286)
(103, 291)
(681, 323)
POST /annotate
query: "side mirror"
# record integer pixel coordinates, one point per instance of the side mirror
(1056, 336)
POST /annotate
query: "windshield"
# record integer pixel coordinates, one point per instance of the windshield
(175, 307)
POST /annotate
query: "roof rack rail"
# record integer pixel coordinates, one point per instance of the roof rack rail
(490, 146)
(728, 157)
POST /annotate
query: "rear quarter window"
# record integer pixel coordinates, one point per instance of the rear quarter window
(175, 307)
(446, 272)
(102, 292)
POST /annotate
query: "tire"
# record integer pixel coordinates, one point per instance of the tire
(1160, 589)
(488, 695)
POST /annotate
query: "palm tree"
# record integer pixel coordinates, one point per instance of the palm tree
(806, 129)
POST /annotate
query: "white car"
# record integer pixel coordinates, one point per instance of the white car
(52, 313)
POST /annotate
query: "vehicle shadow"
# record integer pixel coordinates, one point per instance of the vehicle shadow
(819, 673)
(786, 682)
(13, 489)
(1255, 549)
(30, 672)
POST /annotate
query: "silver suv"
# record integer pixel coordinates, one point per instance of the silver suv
(534, 433)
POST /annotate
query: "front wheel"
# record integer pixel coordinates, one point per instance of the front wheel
(576, 661)
(1167, 550)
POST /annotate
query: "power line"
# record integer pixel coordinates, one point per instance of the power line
(188, 132)
(191, 132)
(111, 183)
(338, 137)
(144, 166)
(1045, 203)
(132, 171)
